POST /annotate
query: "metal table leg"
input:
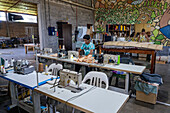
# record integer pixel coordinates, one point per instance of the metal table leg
(84, 71)
(127, 83)
(13, 93)
(36, 102)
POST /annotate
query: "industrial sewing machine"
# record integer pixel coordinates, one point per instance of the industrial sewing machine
(72, 54)
(65, 80)
(111, 59)
(48, 50)
(23, 67)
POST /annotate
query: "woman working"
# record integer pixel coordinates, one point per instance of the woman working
(143, 37)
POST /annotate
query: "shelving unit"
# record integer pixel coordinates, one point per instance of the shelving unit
(123, 29)
(65, 35)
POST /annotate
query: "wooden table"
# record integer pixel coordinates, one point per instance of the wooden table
(140, 51)
(90, 100)
(28, 45)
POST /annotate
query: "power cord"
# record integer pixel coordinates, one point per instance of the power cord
(72, 98)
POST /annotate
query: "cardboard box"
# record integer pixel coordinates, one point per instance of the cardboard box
(150, 98)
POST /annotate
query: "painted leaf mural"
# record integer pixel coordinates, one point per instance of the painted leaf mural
(160, 37)
(136, 12)
(155, 32)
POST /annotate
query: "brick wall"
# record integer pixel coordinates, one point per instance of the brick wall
(61, 11)
(18, 29)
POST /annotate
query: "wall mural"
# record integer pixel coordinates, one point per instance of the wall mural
(155, 12)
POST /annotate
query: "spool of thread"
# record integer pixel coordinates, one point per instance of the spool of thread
(46, 70)
(63, 47)
(40, 69)
(6, 64)
(12, 62)
(71, 56)
(100, 50)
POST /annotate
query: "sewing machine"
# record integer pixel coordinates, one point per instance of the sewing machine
(65, 79)
(111, 59)
(22, 67)
(48, 50)
(72, 54)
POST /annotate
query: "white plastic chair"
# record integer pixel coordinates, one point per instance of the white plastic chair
(97, 78)
(56, 68)
(51, 67)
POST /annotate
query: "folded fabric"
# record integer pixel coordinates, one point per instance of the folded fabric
(145, 87)
(119, 72)
(152, 78)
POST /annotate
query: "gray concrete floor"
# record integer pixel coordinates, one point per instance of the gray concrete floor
(132, 106)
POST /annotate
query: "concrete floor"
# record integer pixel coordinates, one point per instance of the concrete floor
(132, 106)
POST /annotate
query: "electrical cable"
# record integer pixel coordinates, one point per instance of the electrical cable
(72, 98)
(45, 12)
(72, 8)
(76, 17)
(49, 16)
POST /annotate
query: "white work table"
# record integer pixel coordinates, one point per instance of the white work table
(29, 81)
(135, 69)
(95, 100)
(122, 67)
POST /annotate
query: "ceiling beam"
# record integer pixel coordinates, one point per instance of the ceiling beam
(13, 5)
(77, 4)
(22, 3)
(7, 2)
(24, 8)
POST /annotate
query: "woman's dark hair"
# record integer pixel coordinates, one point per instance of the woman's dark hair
(143, 30)
(86, 37)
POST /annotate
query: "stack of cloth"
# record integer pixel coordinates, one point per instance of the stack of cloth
(148, 83)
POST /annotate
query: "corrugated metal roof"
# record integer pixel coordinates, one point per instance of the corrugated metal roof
(18, 6)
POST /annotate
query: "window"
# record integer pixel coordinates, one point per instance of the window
(2, 16)
(25, 18)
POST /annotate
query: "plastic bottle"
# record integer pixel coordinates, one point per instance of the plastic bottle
(12, 62)
(4, 71)
(6, 63)
(118, 60)
(46, 70)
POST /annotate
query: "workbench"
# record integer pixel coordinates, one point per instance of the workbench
(28, 81)
(26, 46)
(91, 100)
(122, 67)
